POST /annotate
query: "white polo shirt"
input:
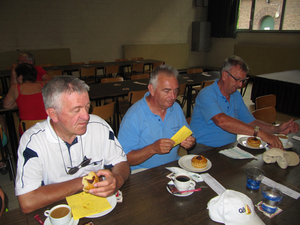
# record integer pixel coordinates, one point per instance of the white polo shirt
(44, 158)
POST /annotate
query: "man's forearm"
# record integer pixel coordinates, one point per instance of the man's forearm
(48, 194)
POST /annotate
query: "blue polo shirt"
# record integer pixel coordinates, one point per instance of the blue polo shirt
(140, 128)
(211, 102)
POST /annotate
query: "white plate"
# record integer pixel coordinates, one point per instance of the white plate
(72, 222)
(183, 194)
(113, 201)
(185, 163)
(243, 141)
(289, 145)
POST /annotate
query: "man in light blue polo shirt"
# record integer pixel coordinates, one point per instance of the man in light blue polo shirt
(220, 112)
(149, 124)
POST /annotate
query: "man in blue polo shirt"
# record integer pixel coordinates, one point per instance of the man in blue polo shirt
(149, 124)
(220, 112)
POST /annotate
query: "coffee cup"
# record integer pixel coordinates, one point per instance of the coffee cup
(284, 139)
(183, 181)
(254, 177)
(59, 215)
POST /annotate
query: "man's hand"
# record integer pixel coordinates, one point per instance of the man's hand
(163, 146)
(288, 127)
(107, 186)
(188, 142)
(272, 140)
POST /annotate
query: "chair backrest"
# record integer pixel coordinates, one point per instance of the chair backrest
(156, 64)
(137, 67)
(105, 111)
(120, 60)
(99, 61)
(140, 76)
(112, 79)
(134, 96)
(46, 65)
(206, 83)
(267, 114)
(199, 70)
(54, 73)
(87, 72)
(76, 63)
(188, 120)
(265, 101)
(111, 69)
(181, 89)
(26, 124)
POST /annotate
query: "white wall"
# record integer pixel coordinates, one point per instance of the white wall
(95, 29)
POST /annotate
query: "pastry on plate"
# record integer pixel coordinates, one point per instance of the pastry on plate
(199, 161)
(254, 142)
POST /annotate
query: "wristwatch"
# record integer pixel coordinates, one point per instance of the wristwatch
(256, 129)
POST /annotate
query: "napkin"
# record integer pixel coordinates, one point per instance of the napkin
(237, 153)
(296, 138)
(181, 135)
(283, 158)
(136, 82)
(196, 177)
(85, 204)
(206, 74)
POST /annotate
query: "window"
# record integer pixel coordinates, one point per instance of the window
(267, 15)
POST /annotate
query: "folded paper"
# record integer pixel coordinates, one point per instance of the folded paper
(181, 135)
(237, 153)
(85, 204)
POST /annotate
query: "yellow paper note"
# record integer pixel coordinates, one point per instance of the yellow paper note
(85, 204)
(181, 135)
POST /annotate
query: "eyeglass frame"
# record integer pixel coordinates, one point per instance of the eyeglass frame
(238, 80)
(85, 162)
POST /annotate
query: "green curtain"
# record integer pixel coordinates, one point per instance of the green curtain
(223, 15)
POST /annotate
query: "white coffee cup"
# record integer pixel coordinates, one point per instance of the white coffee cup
(284, 139)
(59, 215)
(183, 181)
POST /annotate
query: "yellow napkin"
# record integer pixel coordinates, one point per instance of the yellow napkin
(85, 204)
(181, 135)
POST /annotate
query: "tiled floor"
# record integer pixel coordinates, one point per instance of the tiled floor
(8, 186)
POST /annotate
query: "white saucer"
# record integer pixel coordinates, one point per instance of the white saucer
(72, 222)
(243, 142)
(180, 195)
(289, 145)
(185, 162)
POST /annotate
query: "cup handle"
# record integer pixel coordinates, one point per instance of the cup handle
(192, 184)
(47, 213)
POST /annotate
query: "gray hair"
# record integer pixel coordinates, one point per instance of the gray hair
(53, 90)
(233, 61)
(29, 56)
(168, 71)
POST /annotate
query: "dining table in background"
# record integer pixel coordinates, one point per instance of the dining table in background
(285, 85)
(147, 200)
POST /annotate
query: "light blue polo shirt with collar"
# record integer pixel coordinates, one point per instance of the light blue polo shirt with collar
(140, 128)
(211, 102)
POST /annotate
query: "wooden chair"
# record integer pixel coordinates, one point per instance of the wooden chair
(6, 157)
(26, 124)
(106, 112)
(198, 70)
(88, 74)
(140, 76)
(181, 93)
(203, 85)
(112, 79)
(133, 97)
(109, 71)
(77, 63)
(267, 114)
(156, 64)
(98, 76)
(54, 73)
(265, 101)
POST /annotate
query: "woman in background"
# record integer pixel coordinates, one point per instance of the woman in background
(26, 95)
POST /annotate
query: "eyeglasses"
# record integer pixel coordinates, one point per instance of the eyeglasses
(238, 80)
(74, 169)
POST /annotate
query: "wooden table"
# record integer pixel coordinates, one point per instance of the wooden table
(285, 85)
(146, 199)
